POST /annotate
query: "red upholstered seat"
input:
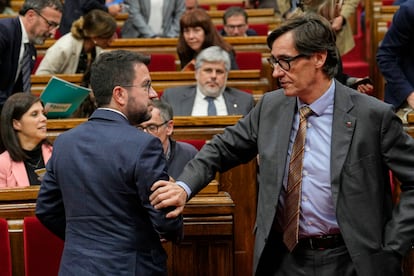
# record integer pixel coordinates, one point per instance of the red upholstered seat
(42, 249)
(37, 63)
(204, 6)
(387, 2)
(198, 144)
(5, 253)
(224, 6)
(162, 62)
(261, 29)
(249, 60)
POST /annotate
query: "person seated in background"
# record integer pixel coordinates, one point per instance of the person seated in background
(210, 96)
(161, 125)
(191, 4)
(72, 10)
(198, 32)
(149, 18)
(235, 23)
(23, 137)
(75, 51)
(5, 8)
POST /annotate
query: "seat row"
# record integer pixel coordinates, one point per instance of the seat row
(42, 249)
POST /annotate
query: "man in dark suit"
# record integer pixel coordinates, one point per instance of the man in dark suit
(95, 193)
(211, 69)
(348, 224)
(395, 59)
(38, 20)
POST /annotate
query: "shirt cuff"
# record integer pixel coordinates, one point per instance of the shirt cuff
(185, 187)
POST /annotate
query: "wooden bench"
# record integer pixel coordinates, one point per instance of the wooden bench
(250, 80)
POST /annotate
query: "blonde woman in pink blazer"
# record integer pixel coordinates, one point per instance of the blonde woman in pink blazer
(23, 137)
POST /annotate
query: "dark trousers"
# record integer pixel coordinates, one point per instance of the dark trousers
(305, 262)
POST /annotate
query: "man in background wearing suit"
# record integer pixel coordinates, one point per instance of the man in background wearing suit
(348, 224)
(95, 193)
(38, 20)
(161, 125)
(395, 58)
(211, 69)
(235, 23)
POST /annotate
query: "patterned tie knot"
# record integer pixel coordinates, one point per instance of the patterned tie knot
(305, 112)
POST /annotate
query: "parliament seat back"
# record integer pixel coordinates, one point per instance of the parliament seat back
(5, 252)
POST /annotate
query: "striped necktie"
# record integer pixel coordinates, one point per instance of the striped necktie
(26, 68)
(294, 185)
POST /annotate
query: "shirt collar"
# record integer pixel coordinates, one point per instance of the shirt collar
(323, 102)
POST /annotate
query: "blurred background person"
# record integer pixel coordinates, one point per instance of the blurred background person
(191, 4)
(73, 9)
(210, 96)
(5, 8)
(235, 23)
(153, 18)
(75, 51)
(395, 58)
(198, 32)
(161, 125)
(38, 20)
(23, 136)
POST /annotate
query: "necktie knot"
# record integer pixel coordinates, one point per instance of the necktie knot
(305, 112)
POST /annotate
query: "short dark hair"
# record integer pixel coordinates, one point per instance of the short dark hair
(234, 10)
(113, 68)
(15, 106)
(165, 108)
(312, 33)
(39, 5)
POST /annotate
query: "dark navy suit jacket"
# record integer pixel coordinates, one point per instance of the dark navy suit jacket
(395, 56)
(10, 42)
(74, 9)
(98, 184)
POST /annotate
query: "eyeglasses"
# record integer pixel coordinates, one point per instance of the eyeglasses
(147, 86)
(233, 27)
(153, 128)
(284, 63)
(51, 24)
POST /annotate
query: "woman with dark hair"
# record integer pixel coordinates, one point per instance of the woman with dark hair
(198, 32)
(75, 51)
(23, 136)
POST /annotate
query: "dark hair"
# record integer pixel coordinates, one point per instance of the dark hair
(14, 108)
(95, 23)
(111, 69)
(39, 5)
(165, 108)
(235, 10)
(199, 18)
(312, 33)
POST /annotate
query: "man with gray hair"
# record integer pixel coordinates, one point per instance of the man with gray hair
(37, 21)
(210, 96)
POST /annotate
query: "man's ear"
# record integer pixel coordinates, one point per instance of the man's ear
(170, 127)
(320, 59)
(120, 95)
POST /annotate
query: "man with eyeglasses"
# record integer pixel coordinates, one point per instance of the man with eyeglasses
(38, 20)
(161, 125)
(235, 23)
(210, 96)
(95, 192)
(325, 151)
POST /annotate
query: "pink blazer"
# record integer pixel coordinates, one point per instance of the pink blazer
(14, 174)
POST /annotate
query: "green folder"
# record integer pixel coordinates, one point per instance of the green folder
(61, 98)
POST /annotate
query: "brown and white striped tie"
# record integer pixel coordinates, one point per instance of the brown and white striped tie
(294, 185)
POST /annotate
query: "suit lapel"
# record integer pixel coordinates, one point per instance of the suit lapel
(343, 127)
(187, 100)
(231, 101)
